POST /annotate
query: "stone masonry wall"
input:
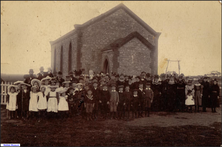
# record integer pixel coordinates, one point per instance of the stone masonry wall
(134, 57)
(104, 32)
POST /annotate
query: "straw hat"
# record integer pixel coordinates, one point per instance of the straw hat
(18, 82)
(10, 86)
(35, 80)
(62, 90)
(46, 78)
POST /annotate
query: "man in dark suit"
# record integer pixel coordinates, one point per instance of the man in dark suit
(42, 74)
(206, 94)
(29, 77)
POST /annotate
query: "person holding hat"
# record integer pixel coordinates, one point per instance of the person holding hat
(63, 107)
(149, 94)
(105, 97)
(12, 100)
(120, 107)
(60, 79)
(127, 101)
(23, 98)
(121, 80)
(33, 102)
(214, 95)
(206, 93)
(114, 100)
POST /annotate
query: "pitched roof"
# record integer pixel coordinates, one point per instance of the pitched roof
(120, 42)
(104, 15)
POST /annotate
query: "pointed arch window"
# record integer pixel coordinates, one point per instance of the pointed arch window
(70, 57)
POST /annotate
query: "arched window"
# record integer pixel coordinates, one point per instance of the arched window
(61, 59)
(54, 68)
(70, 58)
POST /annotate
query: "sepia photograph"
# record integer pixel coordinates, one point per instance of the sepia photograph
(111, 73)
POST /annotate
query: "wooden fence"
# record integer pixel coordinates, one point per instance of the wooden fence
(4, 90)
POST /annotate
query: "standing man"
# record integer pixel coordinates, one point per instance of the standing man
(28, 78)
(206, 95)
(180, 94)
(42, 74)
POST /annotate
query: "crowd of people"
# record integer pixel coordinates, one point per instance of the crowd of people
(108, 96)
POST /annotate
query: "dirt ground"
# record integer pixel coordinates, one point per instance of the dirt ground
(160, 129)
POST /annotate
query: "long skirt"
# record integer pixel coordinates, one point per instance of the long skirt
(52, 105)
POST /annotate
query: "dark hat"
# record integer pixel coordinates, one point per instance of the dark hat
(148, 83)
(120, 86)
(70, 73)
(135, 90)
(156, 76)
(148, 75)
(68, 76)
(70, 88)
(60, 73)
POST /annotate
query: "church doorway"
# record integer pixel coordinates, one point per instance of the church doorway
(106, 66)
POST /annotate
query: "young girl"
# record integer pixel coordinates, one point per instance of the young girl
(63, 107)
(42, 102)
(37, 83)
(12, 100)
(33, 102)
(189, 92)
(89, 104)
(52, 108)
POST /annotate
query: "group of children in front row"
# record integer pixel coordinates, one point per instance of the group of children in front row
(48, 98)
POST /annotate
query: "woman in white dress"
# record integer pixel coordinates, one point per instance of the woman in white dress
(63, 104)
(33, 102)
(189, 92)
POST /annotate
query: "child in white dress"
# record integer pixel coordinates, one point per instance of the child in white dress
(12, 101)
(52, 108)
(33, 102)
(63, 106)
(42, 103)
(189, 92)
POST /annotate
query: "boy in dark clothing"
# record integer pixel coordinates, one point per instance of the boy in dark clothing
(148, 99)
(120, 107)
(127, 100)
(105, 97)
(141, 97)
(96, 95)
(135, 103)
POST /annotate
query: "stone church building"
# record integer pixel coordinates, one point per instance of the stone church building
(117, 41)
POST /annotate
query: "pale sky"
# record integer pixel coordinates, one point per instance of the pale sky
(190, 31)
